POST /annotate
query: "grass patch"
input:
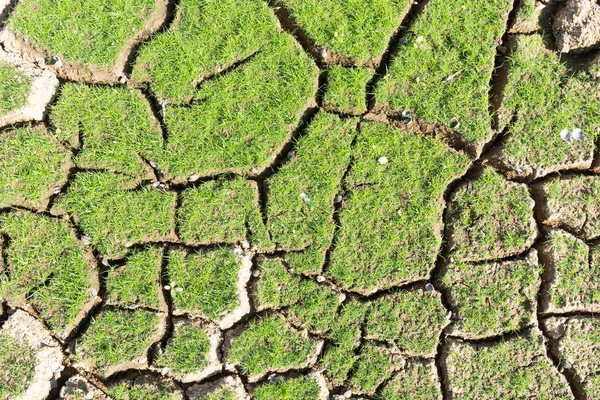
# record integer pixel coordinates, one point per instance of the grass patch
(390, 223)
(46, 267)
(14, 88)
(32, 163)
(495, 297)
(137, 283)
(115, 126)
(411, 320)
(347, 89)
(442, 73)
(546, 100)
(490, 218)
(17, 367)
(513, 369)
(115, 213)
(221, 211)
(115, 337)
(353, 29)
(372, 368)
(222, 394)
(310, 261)
(417, 380)
(144, 390)
(289, 389)
(93, 32)
(268, 344)
(187, 351)
(239, 121)
(209, 282)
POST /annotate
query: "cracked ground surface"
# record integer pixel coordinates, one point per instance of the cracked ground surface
(297, 199)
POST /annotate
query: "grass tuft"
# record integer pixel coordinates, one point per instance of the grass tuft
(347, 89)
(17, 367)
(14, 88)
(289, 389)
(187, 350)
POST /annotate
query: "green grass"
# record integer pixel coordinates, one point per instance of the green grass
(546, 100)
(490, 218)
(443, 71)
(14, 88)
(239, 121)
(32, 163)
(187, 350)
(347, 89)
(115, 337)
(416, 381)
(309, 261)
(411, 320)
(90, 32)
(373, 366)
(221, 211)
(354, 29)
(222, 394)
(17, 367)
(209, 282)
(512, 369)
(268, 344)
(289, 389)
(115, 213)
(138, 281)
(116, 127)
(495, 297)
(389, 224)
(145, 391)
(46, 266)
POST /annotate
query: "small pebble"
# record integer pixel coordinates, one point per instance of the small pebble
(105, 262)
(305, 197)
(153, 164)
(164, 371)
(194, 178)
(428, 287)
(454, 124)
(86, 240)
(93, 293)
(155, 184)
(128, 244)
(320, 278)
(338, 199)
(56, 366)
(407, 121)
(406, 114)
(577, 134)
(348, 394)
(57, 62)
(256, 273)
(323, 53)
(565, 135)
(56, 190)
(420, 39)
(179, 289)
(399, 212)
(341, 297)
(167, 287)
(383, 160)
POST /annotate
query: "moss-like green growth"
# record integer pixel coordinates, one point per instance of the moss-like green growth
(187, 351)
(352, 29)
(115, 213)
(204, 283)
(46, 267)
(495, 297)
(289, 389)
(32, 163)
(138, 281)
(417, 380)
(269, 344)
(116, 337)
(443, 71)
(513, 369)
(547, 100)
(113, 128)
(373, 367)
(143, 388)
(14, 88)
(490, 218)
(17, 367)
(205, 36)
(239, 121)
(390, 224)
(411, 320)
(222, 394)
(347, 89)
(222, 211)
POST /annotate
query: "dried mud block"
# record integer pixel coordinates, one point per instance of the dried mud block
(444, 68)
(200, 44)
(410, 320)
(33, 166)
(577, 26)
(416, 380)
(349, 32)
(92, 41)
(240, 121)
(221, 211)
(391, 220)
(573, 279)
(549, 105)
(26, 87)
(191, 353)
(374, 365)
(77, 388)
(490, 218)
(227, 388)
(572, 203)
(31, 359)
(268, 345)
(117, 340)
(512, 369)
(302, 193)
(211, 284)
(145, 387)
(577, 344)
(306, 303)
(112, 128)
(534, 16)
(346, 91)
(47, 269)
(495, 297)
(116, 211)
(309, 387)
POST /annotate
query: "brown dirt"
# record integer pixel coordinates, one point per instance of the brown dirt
(577, 26)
